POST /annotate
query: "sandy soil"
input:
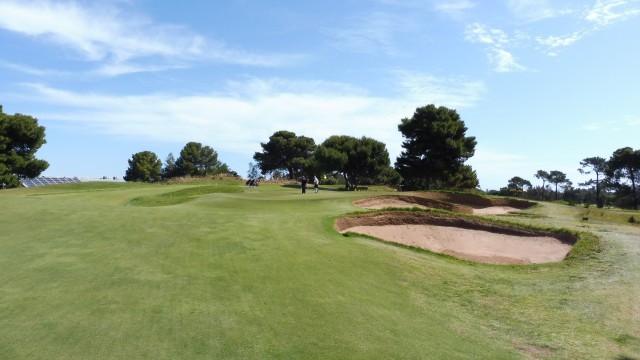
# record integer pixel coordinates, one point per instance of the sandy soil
(475, 245)
(495, 210)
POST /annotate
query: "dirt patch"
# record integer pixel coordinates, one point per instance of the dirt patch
(462, 203)
(463, 238)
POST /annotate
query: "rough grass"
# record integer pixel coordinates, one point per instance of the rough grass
(260, 273)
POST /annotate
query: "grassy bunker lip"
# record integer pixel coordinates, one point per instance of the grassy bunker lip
(455, 202)
(463, 236)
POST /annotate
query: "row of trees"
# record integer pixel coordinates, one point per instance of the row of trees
(355, 159)
(613, 182)
(195, 160)
(435, 149)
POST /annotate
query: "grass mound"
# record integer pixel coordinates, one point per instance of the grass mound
(184, 195)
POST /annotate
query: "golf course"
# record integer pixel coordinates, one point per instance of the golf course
(220, 270)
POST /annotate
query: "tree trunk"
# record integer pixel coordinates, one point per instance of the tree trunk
(635, 194)
(599, 202)
(346, 182)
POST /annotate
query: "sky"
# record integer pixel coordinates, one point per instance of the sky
(540, 84)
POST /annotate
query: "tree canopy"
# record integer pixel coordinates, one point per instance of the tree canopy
(598, 166)
(20, 138)
(354, 158)
(285, 151)
(557, 177)
(198, 160)
(144, 166)
(624, 164)
(170, 168)
(435, 149)
(517, 185)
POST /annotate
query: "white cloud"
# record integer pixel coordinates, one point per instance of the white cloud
(250, 111)
(496, 41)
(560, 41)
(605, 12)
(504, 61)
(120, 42)
(622, 124)
(456, 9)
(592, 126)
(423, 89)
(32, 70)
(552, 43)
(633, 120)
(371, 33)
(531, 10)
(478, 33)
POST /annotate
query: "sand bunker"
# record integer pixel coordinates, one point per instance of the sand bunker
(462, 203)
(461, 237)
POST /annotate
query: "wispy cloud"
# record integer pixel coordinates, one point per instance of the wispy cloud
(250, 110)
(534, 10)
(497, 42)
(456, 9)
(601, 14)
(633, 120)
(32, 70)
(117, 42)
(499, 45)
(504, 61)
(592, 126)
(375, 32)
(479, 33)
(606, 12)
(609, 126)
(455, 92)
(552, 43)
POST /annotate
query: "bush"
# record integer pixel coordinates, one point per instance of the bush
(632, 220)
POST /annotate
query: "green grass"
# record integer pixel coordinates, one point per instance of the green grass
(217, 270)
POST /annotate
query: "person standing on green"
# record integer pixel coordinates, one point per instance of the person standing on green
(316, 182)
(303, 186)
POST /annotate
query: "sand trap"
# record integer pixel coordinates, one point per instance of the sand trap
(495, 210)
(475, 245)
(463, 238)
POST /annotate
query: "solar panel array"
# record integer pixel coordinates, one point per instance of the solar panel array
(47, 180)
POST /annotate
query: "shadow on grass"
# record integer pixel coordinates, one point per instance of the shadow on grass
(310, 188)
(182, 196)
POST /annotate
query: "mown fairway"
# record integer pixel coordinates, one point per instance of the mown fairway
(216, 271)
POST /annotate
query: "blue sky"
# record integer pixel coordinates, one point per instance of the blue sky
(540, 84)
